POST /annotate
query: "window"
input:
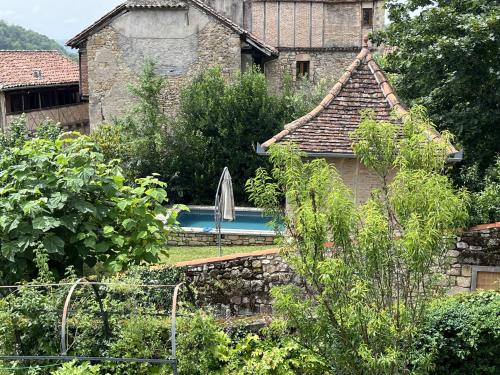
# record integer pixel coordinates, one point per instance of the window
(367, 17)
(40, 99)
(302, 69)
(16, 103)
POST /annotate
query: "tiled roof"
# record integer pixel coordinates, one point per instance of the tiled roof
(155, 3)
(326, 129)
(130, 4)
(36, 68)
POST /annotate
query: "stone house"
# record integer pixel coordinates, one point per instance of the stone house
(325, 131)
(315, 38)
(42, 85)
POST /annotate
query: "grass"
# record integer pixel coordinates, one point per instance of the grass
(185, 253)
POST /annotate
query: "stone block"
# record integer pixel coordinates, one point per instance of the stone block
(453, 253)
(467, 270)
(456, 290)
(453, 272)
(463, 282)
(462, 245)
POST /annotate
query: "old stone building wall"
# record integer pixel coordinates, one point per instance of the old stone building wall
(325, 64)
(182, 42)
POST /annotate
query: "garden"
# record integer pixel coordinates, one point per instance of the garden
(86, 275)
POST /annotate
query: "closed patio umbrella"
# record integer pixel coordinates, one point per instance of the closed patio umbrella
(224, 203)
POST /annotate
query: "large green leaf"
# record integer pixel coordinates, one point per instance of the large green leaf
(45, 223)
(53, 243)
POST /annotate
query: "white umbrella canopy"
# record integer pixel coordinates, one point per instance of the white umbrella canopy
(224, 204)
(226, 201)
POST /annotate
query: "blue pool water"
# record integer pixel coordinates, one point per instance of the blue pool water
(245, 220)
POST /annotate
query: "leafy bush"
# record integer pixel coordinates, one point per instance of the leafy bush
(60, 195)
(72, 368)
(485, 205)
(18, 133)
(461, 334)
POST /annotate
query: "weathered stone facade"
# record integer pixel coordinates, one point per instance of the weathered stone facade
(116, 54)
(325, 64)
(194, 238)
(185, 37)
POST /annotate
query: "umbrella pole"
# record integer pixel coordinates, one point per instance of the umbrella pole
(218, 214)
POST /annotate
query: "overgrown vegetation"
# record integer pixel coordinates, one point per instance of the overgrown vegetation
(485, 205)
(365, 297)
(445, 57)
(60, 198)
(219, 124)
(462, 334)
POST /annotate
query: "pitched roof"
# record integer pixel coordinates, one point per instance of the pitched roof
(135, 4)
(326, 129)
(36, 68)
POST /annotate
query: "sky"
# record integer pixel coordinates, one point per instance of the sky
(58, 19)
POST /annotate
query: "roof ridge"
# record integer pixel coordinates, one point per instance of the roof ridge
(384, 85)
(125, 6)
(335, 90)
(31, 50)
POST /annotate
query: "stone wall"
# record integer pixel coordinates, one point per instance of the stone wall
(327, 64)
(193, 238)
(238, 285)
(182, 42)
(477, 249)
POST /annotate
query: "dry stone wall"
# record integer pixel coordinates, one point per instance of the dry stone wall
(239, 285)
(476, 249)
(190, 238)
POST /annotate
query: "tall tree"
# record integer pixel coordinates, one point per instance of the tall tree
(369, 271)
(445, 56)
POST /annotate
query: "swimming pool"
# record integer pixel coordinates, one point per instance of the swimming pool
(247, 220)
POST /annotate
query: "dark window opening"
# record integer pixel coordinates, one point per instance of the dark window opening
(368, 17)
(32, 101)
(36, 100)
(302, 69)
(16, 103)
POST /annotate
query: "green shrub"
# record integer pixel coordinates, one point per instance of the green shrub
(485, 206)
(461, 334)
(72, 368)
(60, 195)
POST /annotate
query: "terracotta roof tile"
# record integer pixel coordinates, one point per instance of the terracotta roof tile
(36, 68)
(326, 129)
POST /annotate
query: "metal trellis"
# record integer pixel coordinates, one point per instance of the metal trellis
(64, 357)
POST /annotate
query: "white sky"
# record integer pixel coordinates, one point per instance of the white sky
(58, 19)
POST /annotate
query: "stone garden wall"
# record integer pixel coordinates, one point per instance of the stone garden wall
(239, 285)
(191, 238)
(476, 250)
